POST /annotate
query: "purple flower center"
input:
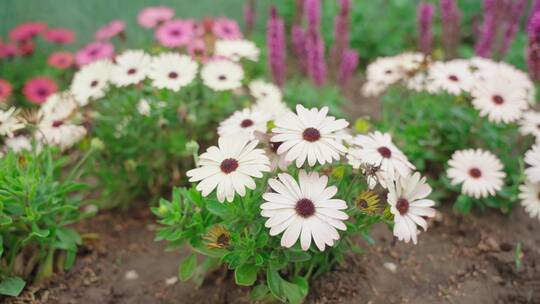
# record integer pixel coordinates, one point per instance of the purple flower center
(385, 152)
(363, 203)
(94, 83)
(132, 71)
(222, 77)
(497, 99)
(275, 146)
(402, 206)
(93, 52)
(57, 123)
(475, 173)
(311, 134)
(453, 78)
(42, 92)
(175, 32)
(229, 165)
(305, 208)
(173, 75)
(246, 123)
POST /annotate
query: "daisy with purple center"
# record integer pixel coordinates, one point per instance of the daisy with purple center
(61, 60)
(479, 172)
(225, 28)
(59, 35)
(110, 30)
(153, 16)
(26, 31)
(91, 82)
(131, 67)
(37, 89)
(8, 50)
(5, 90)
(309, 135)
(410, 206)
(454, 77)
(174, 33)
(94, 51)
(172, 71)
(222, 75)
(230, 167)
(532, 160)
(304, 210)
(244, 123)
(530, 124)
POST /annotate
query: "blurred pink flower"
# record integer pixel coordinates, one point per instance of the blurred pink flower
(61, 60)
(174, 33)
(26, 47)
(26, 31)
(94, 51)
(113, 28)
(225, 28)
(153, 16)
(37, 89)
(5, 90)
(8, 50)
(59, 35)
(197, 49)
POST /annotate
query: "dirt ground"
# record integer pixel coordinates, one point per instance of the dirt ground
(459, 260)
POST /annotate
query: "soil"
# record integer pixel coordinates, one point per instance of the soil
(468, 259)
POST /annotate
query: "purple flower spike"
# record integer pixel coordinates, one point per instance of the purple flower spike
(425, 26)
(533, 48)
(517, 9)
(341, 30)
(316, 63)
(488, 30)
(450, 17)
(313, 13)
(298, 37)
(275, 40)
(349, 63)
(249, 15)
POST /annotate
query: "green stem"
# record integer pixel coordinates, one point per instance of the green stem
(46, 268)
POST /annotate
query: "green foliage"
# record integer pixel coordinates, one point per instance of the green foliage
(234, 234)
(430, 128)
(36, 207)
(302, 91)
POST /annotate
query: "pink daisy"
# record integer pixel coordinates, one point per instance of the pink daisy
(94, 51)
(8, 50)
(38, 89)
(61, 60)
(197, 49)
(26, 47)
(153, 16)
(225, 28)
(59, 35)
(112, 29)
(26, 31)
(5, 90)
(174, 33)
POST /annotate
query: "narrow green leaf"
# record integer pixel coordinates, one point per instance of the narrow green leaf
(187, 267)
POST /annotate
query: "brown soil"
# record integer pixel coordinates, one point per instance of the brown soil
(459, 260)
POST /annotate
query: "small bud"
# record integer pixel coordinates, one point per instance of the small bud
(192, 147)
(97, 144)
(338, 172)
(362, 126)
(163, 210)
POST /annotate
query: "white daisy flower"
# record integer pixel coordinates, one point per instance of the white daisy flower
(9, 122)
(305, 210)
(453, 77)
(411, 62)
(276, 160)
(244, 123)
(172, 71)
(499, 100)
(532, 158)
(374, 88)
(131, 67)
(18, 143)
(91, 82)
(221, 75)
(309, 134)
(377, 150)
(530, 198)
(263, 90)
(480, 172)
(530, 124)
(385, 71)
(418, 82)
(409, 205)
(237, 49)
(59, 106)
(230, 167)
(143, 107)
(59, 133)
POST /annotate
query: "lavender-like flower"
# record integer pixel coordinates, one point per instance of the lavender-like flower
(450, 17)
(249, 15)
(275, 40)
(298, 37)
(341, 30)
(348, 65)
(514, 17)
(488, 30)
(425, 26)
(316, 63)
(533, 48)
(313, 13)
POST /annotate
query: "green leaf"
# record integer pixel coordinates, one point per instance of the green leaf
(217, 208)
(274, 282)
(187, 267)
(245, 275)
(299, 256)
(463, 204)
(12, 286)
(259, 292)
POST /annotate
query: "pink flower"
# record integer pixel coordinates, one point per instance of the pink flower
(26, 31)
(94, 51)
(174, 33)
(153, 16)
(225, 28)
(8, 50)
(5, 90)
(197, 49)
(61, 60)
(26, 47)
(37, 89)
(59, 35)
(113, 28)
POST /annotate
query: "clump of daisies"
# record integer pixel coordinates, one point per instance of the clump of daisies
(465, 121)
(280, 197)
